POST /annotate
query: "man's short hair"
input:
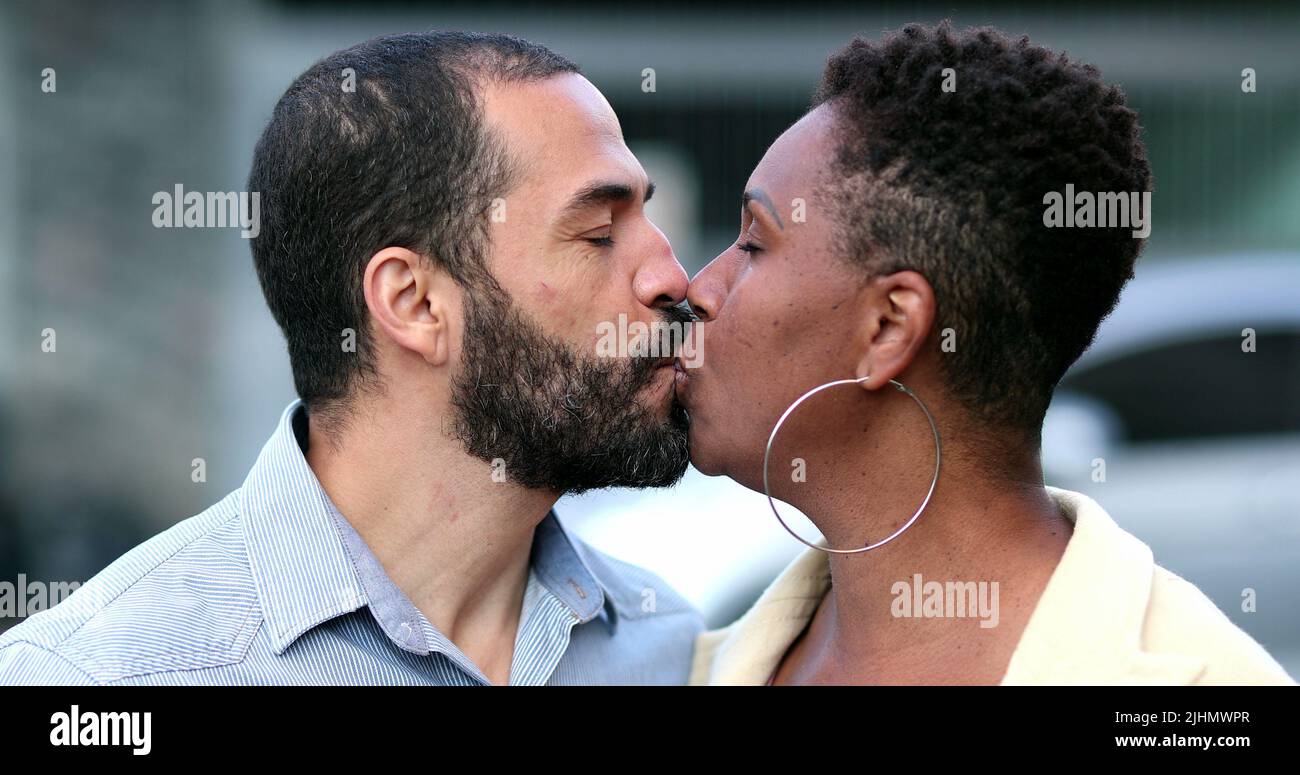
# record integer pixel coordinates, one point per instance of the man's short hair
(951, 183)
(380, 145)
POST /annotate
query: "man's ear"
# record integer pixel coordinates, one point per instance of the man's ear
(411, 301)
(899, 310)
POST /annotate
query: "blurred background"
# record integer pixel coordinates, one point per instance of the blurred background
(166, 352)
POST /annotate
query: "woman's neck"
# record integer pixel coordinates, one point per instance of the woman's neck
(948, 599)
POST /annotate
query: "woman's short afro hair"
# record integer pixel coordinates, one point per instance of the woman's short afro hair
(950, 182)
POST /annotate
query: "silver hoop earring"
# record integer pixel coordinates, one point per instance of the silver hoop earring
(767, 490)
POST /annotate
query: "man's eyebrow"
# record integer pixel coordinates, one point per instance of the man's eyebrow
(760, 196)
(603, 193)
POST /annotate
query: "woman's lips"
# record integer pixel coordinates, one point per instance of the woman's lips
(680, 377)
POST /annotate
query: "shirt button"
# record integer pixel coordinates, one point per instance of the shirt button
(405, 631)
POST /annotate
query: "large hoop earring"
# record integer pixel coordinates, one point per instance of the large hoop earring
(767, 490)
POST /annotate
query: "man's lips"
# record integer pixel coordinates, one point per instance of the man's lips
(659, 368)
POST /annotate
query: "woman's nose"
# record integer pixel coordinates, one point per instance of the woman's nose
(707, 291)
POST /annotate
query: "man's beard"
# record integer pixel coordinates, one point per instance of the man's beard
(559, 420)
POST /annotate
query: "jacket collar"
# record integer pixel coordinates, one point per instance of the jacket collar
(1087, 626)
(1085, 629)
(305, 576)
(749, 651)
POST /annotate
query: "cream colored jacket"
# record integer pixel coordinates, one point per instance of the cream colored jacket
(1109, 615)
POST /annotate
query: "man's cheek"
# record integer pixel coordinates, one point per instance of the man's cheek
(557, 301)
(559, 319)
(545, 293)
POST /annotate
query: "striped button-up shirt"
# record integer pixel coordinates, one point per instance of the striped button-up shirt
(273, 586)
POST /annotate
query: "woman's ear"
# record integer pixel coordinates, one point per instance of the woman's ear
(410, 301)
(898, 314)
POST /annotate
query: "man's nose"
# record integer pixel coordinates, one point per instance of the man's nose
(661, 281)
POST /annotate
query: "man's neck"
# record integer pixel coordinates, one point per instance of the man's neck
(452, 537)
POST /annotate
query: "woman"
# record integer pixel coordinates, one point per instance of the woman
(896, 272)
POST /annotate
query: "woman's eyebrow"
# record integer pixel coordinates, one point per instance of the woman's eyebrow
(760, 196)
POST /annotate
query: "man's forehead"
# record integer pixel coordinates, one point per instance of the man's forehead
(557, 115)
(562, 133)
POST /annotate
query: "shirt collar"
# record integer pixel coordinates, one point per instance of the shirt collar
(1086, 627)
(305, 573)
(569, 571)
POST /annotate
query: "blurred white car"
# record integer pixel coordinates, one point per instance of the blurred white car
(1188, 441)
(1200, 436)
